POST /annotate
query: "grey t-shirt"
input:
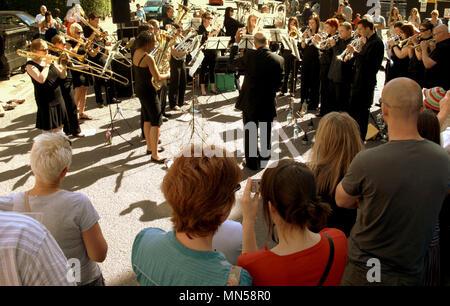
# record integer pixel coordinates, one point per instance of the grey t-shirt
(402, 186)
(66, 215)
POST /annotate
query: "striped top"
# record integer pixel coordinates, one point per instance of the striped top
(29, 255)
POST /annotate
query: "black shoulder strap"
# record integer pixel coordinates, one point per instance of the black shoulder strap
(141, 59)
(330, 261)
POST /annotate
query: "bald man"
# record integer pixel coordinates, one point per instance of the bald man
(437, 62)
(399, 188)
(263, 76)
(39, 18)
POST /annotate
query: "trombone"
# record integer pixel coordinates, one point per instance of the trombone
(97, 70)
(89, 46)
(101, 35)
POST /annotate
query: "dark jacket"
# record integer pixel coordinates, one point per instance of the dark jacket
(263, 77)
(368, 62)
(231, 27)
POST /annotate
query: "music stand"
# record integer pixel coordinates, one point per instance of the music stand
(217, 43)
(247, 42)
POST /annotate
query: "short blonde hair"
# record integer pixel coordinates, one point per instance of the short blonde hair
(74, 27)
(50, 155)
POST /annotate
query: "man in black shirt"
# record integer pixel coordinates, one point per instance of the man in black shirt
(168, 18)
(340, 73)
(437, 63)
(367, 63)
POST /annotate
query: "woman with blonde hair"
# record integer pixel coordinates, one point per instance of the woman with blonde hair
(46, 76)
(414, 18)
(70, 217)
(338, 140)
(394, 16)
(252, 25)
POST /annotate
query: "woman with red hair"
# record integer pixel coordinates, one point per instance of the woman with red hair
(200, 188)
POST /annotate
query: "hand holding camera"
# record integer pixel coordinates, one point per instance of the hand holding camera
(250, 204)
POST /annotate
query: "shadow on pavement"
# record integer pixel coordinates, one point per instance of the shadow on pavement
(150, 210)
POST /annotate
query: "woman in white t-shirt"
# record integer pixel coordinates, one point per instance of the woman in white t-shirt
(414, 18)
(70, 217)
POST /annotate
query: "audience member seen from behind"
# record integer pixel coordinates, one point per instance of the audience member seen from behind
(428, 127)
(300, 257)
(201, 192)
(399, 188)
(70, 217)
(337, 142)
(29, 254)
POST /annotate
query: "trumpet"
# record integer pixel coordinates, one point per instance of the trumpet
(96, 70)
(295, 33)
(324, 45)
(345, 55)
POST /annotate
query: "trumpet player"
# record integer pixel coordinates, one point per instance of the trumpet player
(398, 66)
(46, 75)
(209, 61)
(340, 72)
(291, 65)
(416, 69)
(367, 63)
(325, 57)
(437, 62)
(310, 77)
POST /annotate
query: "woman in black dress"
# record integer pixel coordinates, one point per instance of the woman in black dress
(46, 76)
(81, 81)
(72, 126)
(291, 66)
(209, 62)
(145, 68)
(398, 66)
(231, 24)
(310, 77)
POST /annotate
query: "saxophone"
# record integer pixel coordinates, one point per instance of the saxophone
(162, 57)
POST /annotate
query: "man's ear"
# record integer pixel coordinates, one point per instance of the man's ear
(384, 109)
(63, 173)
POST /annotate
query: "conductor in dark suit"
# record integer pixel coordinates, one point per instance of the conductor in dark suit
(263, 77)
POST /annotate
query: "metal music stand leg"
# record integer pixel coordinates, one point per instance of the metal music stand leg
(112, 118)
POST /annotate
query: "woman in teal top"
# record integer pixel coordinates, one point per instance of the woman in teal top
(201, 191)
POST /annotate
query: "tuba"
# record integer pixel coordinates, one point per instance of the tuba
(182, 12)
(162, 57)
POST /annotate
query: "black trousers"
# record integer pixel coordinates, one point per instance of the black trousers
(208, 66)
(99, 83)
(360, 102)
(324, 84)
(72, 126)
(338, 96)
(291, 68)
(177, 86)
(253, 154)
(310, 85)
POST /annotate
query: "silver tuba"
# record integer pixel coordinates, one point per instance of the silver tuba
(186, 45)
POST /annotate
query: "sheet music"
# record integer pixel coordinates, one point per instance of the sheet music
(218, 43)
(247, 42)
(197, 63)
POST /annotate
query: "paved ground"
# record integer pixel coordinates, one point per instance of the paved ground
(119, 178)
